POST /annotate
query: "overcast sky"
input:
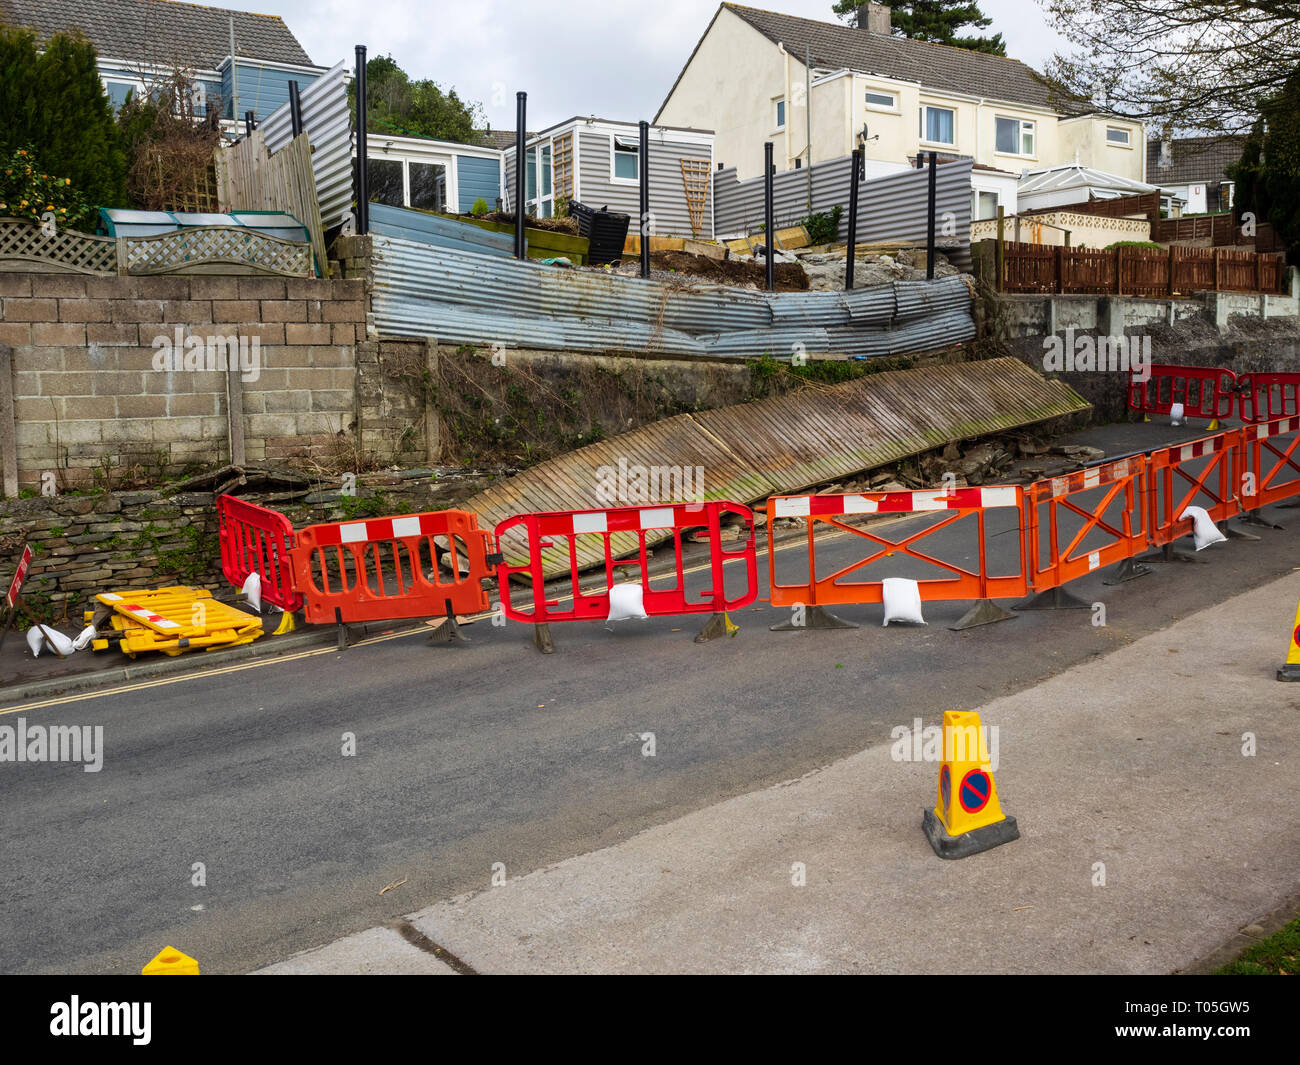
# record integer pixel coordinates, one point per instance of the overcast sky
(613, 58)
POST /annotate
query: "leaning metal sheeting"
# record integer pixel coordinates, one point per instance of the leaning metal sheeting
(327, 119)
(788, 443)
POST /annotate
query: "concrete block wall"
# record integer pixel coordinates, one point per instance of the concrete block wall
(87, 394)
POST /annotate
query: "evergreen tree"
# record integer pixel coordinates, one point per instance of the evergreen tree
(935, 20)
(396, 104)
(1268, 173)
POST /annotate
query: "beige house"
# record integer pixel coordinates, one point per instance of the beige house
(818, 90)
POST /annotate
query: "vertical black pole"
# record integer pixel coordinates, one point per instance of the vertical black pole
(363, 178)
(521, 159)
(250, 122)
(295, 109)
(929, 240)
(643, 173)
(769, 225)
(854, 182)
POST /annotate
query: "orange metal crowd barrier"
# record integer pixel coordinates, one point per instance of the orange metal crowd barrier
(1111, 526)
(1270, 471)
(1265, 397)
(1203, 391)
(257, 540)
(1172, 486)
(543, 530)
(387, 568)
(845, 585)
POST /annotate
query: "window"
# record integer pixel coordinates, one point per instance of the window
(384, 181)
(884, 100)
(118, 91)
(937, 124)
(1117, 136)
(983, 205)
(778, 113)
(428, 186)
(627, 159)
(1013, 136)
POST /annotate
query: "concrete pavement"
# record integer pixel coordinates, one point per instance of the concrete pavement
(1148, 839)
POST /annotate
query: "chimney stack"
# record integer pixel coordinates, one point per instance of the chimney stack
(874, 18)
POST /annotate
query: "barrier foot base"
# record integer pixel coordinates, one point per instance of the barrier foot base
(1252, 517)
(343, 629)
(983, 612)
(718, 625)
(816, 617)
(542, 639)
(1053, 599)
(448, 630)
(1290, 671)
(1232, 533)
(1128, 570)
(1169, 553)
(968, 843)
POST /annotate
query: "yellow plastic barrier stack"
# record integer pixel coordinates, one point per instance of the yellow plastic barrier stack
(967, 817)
(174, 620)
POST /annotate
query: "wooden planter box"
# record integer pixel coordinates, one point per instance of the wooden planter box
(542, 243)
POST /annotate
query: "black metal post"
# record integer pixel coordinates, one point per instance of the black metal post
(363, 178)
(929, 240)
(250, 122)
(854, 182)
(295, 109)
(521, 159)
(769, 224)
(643, 174)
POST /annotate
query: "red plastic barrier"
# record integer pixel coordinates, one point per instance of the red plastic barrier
(1271, 472)
(1172, 487)
(1265, 397)
(1117, 518)
(386, 568)
(1204, 392)
(541, 530)
(257, 540)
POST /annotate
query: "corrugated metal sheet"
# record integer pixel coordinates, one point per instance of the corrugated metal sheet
(789, 443)
(891, 209)
(424, 290)
(328, 122)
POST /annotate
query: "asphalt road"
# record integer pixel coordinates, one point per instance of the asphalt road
(484, 753)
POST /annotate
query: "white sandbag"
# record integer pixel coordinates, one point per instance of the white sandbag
(61, 642)
(625, 602)
(902, 600)
(84, 637)
(1204, 531)
(252, 591)
(1176, 414)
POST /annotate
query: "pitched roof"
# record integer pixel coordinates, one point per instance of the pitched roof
(834, 45)
(161, 32)
(500, 138)
(1194, 160)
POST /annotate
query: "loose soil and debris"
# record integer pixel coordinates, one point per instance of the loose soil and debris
(740, 273)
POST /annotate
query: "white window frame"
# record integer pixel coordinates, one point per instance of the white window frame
(614, 179)
(1127, 142)
(134, 84)
(778, 114)
(938, 107)
(1023, 125)
(891, 108)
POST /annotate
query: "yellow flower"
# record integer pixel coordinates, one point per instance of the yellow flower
(49, 207)
(67, 181)
(23, 204)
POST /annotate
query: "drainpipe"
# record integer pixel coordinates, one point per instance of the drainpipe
(363, 178)
(234, 73)
(521, 154)
(786, 97)
(807, 72)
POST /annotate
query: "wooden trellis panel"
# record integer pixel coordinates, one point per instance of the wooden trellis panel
(695, 180)
(208, 248)
(24, 246)
(562, 166)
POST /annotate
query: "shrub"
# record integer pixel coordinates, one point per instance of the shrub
(1133, 244)
(480, 208)
(28, 192)
(824, 226)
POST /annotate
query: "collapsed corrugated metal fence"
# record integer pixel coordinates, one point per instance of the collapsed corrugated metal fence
(785, 444)
(465, 298)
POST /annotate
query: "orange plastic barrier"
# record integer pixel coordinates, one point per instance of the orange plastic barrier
(1266, 397)
(1271, 472)
(543, 529)
(386, 568)
(845, 586)
(1171, 487)
(257, 540)
(1112, 527)
(1203, 391)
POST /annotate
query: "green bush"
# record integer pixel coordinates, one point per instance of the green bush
(1134, 244)
(480, 208)
(28, 192)
(824, 226)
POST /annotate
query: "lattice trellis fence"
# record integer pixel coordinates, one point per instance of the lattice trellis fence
(199, 249)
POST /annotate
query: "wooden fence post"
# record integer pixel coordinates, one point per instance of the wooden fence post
(1002, 251)
(8, 423)
(1060, 269)
(1119, 271)
(1259, 273)
(1216, 270)
(1172, 248)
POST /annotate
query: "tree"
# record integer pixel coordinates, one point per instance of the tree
(1200, 65)
(396, 104)
(54, 103)
(1268, 173)
(935, 20)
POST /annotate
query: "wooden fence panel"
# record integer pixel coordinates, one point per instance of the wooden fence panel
(1029, 268)
(1088, 270)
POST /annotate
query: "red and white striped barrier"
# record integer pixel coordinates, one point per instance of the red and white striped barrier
(895, 502)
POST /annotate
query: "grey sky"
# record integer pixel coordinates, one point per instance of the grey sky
(613, 58)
